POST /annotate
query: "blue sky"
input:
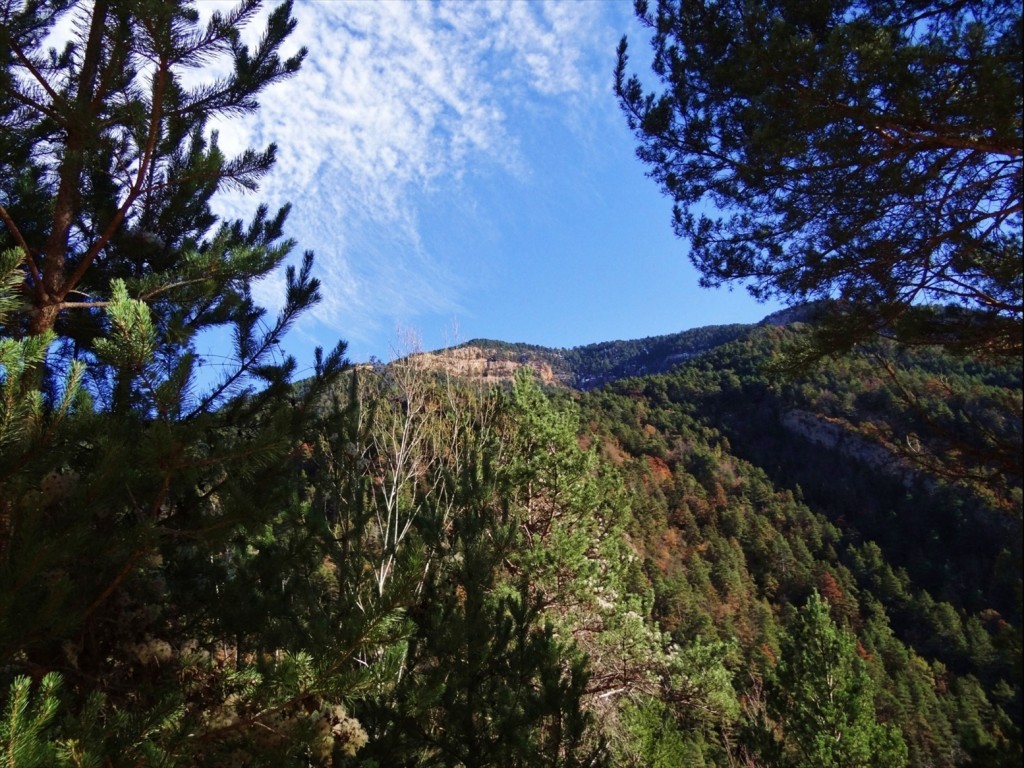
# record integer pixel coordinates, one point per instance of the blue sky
(462, 170)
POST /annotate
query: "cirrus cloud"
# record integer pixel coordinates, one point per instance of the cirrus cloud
(397, 100)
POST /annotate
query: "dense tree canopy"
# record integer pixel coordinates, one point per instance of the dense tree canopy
(133, 501)
(862, 151)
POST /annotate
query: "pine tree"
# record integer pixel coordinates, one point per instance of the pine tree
(108, 168)
(823, 699)
(863, 151)
(144, 517)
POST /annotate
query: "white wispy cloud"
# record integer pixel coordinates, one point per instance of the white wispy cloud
(398, 98)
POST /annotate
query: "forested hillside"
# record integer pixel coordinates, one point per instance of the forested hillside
(886, 483)
(671, 570)
(733, 546)
(764, 490)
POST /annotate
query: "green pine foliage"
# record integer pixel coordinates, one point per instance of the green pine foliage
(847, 150)
(822, 698)
(24, 723)
(132, 498)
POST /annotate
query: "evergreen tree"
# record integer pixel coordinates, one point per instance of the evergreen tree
(862, 151)
(149, 525)
(108, 168)
(823, 699)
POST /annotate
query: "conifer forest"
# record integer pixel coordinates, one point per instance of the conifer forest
(795, 543)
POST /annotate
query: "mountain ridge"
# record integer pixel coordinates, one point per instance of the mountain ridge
(589, 366)
(583, 367)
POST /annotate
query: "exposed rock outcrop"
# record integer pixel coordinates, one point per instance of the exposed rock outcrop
(485, 365)
(837, 435)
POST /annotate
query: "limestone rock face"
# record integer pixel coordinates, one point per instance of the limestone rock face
(833, 433)
(487, 365)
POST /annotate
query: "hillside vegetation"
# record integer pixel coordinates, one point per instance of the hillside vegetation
(886, 483)
(717, 565)
(585, 367)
